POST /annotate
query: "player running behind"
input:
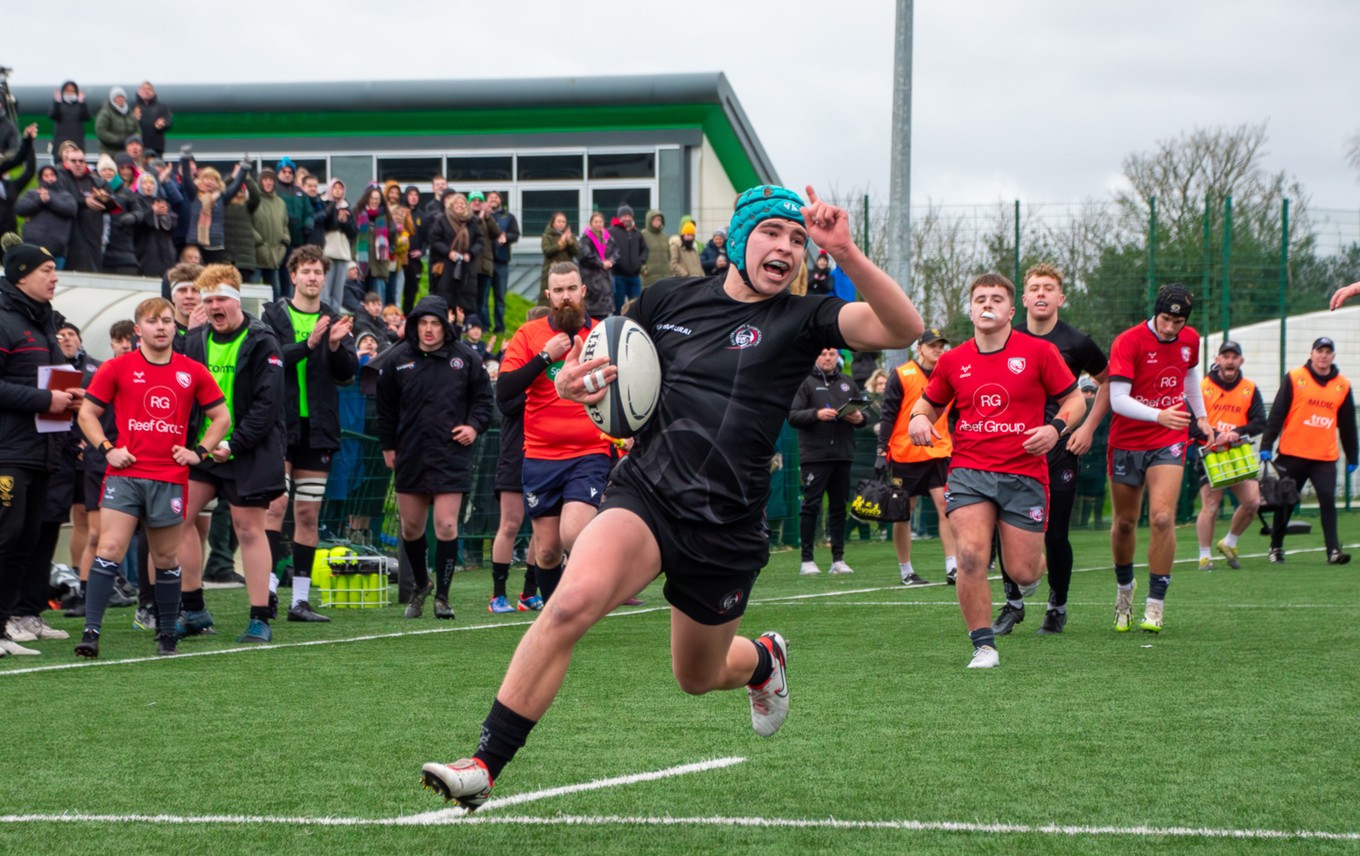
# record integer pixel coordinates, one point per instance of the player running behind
(318, 354)
(566, 458)
(1236, 410)
(1043, 296)
(247, 465)
(1153, 377)
(152, 390)
(923, 470)
(689, 499)
(1000, 383)
(434, 400)
(1313, 404)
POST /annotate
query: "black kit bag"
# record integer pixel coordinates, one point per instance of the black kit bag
(879, 500)
(1278, 491)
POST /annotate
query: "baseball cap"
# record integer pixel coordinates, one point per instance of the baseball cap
(1323, 342)
(478, 195)
(931, 336)
(1229, 346)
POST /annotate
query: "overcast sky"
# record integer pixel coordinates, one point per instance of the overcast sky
(1039, 100)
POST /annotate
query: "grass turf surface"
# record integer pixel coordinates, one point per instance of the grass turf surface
(1239, 716)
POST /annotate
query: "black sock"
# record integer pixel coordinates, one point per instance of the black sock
(417, 559)
(445, 559)
(193, 600)
(500, 572)
(503, 733)
(1010, 587)
(303, 557)
(764, 665)
(982, 636)
(146, 590)
(167, 592)
(530, 580)
(275, 540)
(260, 612)
(1157, 584)
(548, 578)
(1123, 574)
(97, 591)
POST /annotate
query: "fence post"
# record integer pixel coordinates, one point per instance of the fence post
(865, 243)
(1284, 280)
(1152, 254)
(1207, 262)
(1227, 258)
(1016, 264)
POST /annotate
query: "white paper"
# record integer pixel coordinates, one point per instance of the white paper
(52, 423)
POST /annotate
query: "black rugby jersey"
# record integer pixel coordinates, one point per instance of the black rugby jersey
(729, 371)
(1078, 350)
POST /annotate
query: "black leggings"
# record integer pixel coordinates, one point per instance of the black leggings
(1057, 548)
(1323, 476)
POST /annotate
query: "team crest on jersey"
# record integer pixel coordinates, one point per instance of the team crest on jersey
(1185, 353)
(183, 379)
(1066, 476)
(730, 601)
(745, 337)
(1036, 513)
(177, 505)
(845, 387)
(1016, 364)
(456, 363)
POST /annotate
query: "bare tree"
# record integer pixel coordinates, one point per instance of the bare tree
(1353, 152)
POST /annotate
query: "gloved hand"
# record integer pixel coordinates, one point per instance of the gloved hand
(1266, 455)
(880, 464)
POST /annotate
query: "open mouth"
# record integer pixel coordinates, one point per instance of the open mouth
(776, 269)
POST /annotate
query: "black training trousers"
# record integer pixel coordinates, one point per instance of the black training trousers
(23, 500)
(831, 478)
(1323, 476)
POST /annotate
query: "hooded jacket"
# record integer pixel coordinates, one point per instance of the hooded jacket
(326, 369)
(422, 396)
(68, 120)
(270, 218)
(257, 433)
(113, 128)
(28, 339)
(301, 213)
(708, 258)
(657, 249)
(48, 224)
(153, 235)
(598, 280)
(684, 260)
(818, 441)
(239, 237)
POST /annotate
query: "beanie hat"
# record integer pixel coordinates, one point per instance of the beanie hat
(268, 173)
(286, 162)
(625, 210)
(106, 162)
(754, 207)
(688, 229)
(23, 259)
(122, 159)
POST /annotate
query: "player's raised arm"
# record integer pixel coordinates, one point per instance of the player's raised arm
(887, 318)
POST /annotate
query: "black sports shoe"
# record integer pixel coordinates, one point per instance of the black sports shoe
(1276, 556)
(302, 611)
(273, 606)
(442, 608)
(88, 646)
(1053, 622)
(167, 644)
(1006, 619)
(1336, 557)
(951, 576)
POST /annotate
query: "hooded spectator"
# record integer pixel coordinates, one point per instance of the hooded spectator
(120, 254)
(270, 218)
(115, 122)
(153, 117)
(49, 210)
(240, 241)
(558, 245)
(819, 278)
(301, 213)
(714, 257)
(654, 234)
(69, 113)
(684, 254)
(153, 228)
(599, 254)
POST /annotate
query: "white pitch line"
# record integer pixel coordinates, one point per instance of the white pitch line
(444, 815)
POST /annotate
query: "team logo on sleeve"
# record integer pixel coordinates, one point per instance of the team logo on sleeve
(745, 337)
(456, 363)
(183, 379)
(275, 361)
(1016, 364)
(1185, 353)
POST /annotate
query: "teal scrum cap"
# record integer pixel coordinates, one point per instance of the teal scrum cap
(754, 206)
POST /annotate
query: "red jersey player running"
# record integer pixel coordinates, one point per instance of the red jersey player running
(998, 475)
(1152, 379)
(152, 390)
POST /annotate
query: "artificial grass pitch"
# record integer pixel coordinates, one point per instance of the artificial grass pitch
(1238, 721)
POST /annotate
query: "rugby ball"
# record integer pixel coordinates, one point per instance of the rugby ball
(633, 395)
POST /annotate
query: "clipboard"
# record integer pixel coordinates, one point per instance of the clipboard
(854, 405)
(56, 378)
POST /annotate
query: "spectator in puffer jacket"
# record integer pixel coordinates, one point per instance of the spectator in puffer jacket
(68, 113)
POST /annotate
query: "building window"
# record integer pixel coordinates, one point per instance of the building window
(551, 167)
(626, 165)
(607, 200)
(408, 170)
(538, 207)
(480, 169)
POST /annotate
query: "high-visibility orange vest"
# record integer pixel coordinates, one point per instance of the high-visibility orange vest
(900, 447)
(1310, 428)
(1227, 409)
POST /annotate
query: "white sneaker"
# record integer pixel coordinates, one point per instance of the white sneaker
(465, 781)
(984, 657)
(809, 568)
(770, 700)
(1123, 609)
(841, 568)
(9, 646)
(1152, 616)
(45, 630)
(18, 630)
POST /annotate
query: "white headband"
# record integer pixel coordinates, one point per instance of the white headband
(177, 286)
(223, 290)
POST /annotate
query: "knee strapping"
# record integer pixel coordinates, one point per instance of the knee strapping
(310, 489)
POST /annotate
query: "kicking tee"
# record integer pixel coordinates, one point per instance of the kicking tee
(728, 372)
(153, 403)
(1156, 370)
(1000, 396)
